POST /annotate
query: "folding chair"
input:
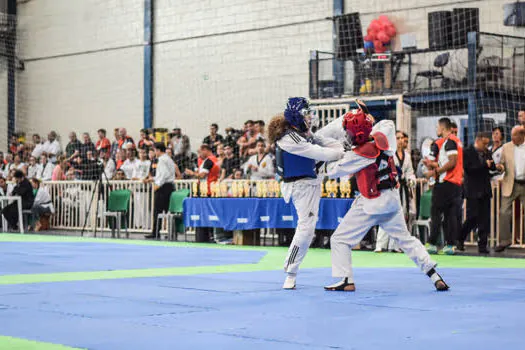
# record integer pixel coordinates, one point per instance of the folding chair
(423, 220)
(118, 205)
(174, 212)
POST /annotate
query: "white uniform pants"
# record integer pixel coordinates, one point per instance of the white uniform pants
(306, 198)
(364, 214)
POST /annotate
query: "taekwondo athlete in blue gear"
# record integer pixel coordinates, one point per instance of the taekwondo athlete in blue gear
(297, 152)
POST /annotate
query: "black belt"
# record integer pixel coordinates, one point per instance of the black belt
(519, 182)
(387, 185)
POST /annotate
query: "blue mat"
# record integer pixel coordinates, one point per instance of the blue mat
(392, 309)
(28, 257)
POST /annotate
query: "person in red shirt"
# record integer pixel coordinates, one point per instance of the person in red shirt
(103, 142)
(208, 169)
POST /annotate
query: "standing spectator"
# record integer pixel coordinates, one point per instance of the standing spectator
(163, 184)
(232, 136)
(213, 139)
(496, 148)
(125, 141)
(513, 184)
(454, 128)
(74, 145)
(141, 173)
(52, 147)
(521, 118)
(45, 169)
(154, 161)
(42, 206)
(176, 141)
(87, 146)
(477, 163)
(257, 135)
(130, 163)
(102, 142)
(229, 163)
(39, 146)
(260, 165)
(220, 154)
(186, 159)
(146, 142)
(115, 144)
(32, 168)
(15, 145)
(445, 164)
(246, 141)
(24, 190)
(109, 164)
(59, 173)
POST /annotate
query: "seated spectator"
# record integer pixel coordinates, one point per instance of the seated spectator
(238, 174)
(146, 141)
(220, 154)
(229, 163)
(59, 173)
(38, 146)
(18, 164)
(87, 146)
(24, 190)
(119, 176)
(5, 188)
(213, 139)
(103, 142)
(42, 207)
(120, 158)
(32, 168)
(142, 166)
(74, 145)
(45, 168)
(130, 163)
(260, 165)
(125, 141)
(52, 147)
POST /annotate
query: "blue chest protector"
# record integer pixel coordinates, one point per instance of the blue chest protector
(291, 167)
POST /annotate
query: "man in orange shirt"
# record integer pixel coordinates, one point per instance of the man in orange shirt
(445, 165)
(103, 142)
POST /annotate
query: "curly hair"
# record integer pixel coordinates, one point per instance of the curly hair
(277, 127)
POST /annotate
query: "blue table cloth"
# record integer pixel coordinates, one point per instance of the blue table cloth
(252, 213)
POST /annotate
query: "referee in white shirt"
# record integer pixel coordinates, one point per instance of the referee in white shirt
(163, 183)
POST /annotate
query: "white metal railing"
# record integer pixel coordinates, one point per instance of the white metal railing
(73, 203)
(79, 204)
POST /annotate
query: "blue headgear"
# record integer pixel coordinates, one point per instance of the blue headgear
(295, 111)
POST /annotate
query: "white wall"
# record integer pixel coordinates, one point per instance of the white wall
(89, 88)
(229, 78)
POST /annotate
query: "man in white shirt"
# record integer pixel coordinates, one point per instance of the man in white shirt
(39, 146)
(45, 169)
(260, 164)
(130, 164)
(52, 147)
(163, 184)
(140, 200)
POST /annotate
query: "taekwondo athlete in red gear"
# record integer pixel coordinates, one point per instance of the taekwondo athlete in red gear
(371, 161)
(297, 154)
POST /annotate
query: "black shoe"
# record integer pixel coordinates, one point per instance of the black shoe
(150, 236)
(460, 246)
(484, 251)
(501, 248)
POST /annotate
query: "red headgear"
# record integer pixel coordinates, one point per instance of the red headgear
(358, 126)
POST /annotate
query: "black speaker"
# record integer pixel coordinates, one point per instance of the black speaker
(514, 14)
(464, 20)
(349, 35)
(440, 29)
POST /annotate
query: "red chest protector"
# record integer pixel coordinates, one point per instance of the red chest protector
(380, 175)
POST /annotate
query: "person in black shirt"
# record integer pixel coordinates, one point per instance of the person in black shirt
(213, 139)
(24, 190)
(229, 163)
(477, 163)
